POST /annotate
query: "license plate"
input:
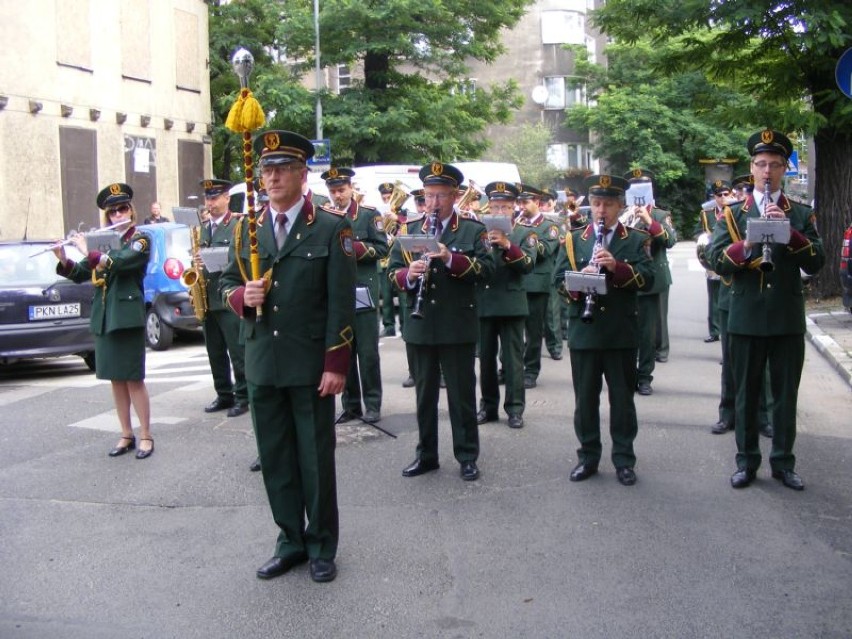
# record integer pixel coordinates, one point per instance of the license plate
(54, 311)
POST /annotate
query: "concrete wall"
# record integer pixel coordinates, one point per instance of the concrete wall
(134, 57)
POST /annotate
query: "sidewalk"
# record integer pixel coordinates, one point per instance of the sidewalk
(831, 333)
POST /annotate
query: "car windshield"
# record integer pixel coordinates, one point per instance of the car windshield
(18, 268)
(179, 244)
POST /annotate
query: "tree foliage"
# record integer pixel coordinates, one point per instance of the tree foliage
(780, 56)
(525, 147)
(413, 103)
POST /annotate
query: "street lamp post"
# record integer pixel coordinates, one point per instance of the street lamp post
(318, 69)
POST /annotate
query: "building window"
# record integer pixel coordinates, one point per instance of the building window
(569, 156)
(563, 27)
(574, 94)
(344, 77)
(555, 92)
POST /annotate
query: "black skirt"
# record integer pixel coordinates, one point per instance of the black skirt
(120, 355)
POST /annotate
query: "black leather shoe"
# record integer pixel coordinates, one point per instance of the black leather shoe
(711, 338)
(388, 331)
(255, 465)
(484, 416)
(142, 454)
(372, 416)
(743, 477)
(238, 409)
(279, 565)
(661, 358)
(443, 382)
(220, 403)
(583, 471)
(644, 388)
(529, 382)
(128, 445)
(556, 356)
(418, 467)
(323, 570)
(469, 471)
(625, 475)
(347, 416)
(516, 421)
(767, 431)
(789, 478)
(721, 427)
(409, 382)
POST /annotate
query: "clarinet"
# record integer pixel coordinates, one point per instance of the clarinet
(423, 280)
(591, 297)
(766, 263)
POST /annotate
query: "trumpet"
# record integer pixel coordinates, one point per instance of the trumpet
(72, 235)
(766, 263)
(471, 195)
(398, 197)
(423, 280)
(630, 218)
(588, 316)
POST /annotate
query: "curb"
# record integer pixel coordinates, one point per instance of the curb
(831, 350)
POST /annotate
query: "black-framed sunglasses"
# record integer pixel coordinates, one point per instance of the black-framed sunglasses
(121, 208)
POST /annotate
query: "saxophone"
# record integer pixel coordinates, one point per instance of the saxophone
(193, 278)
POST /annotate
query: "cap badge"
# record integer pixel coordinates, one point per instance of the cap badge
(332, 173)
(637, 173)
(605, 181)
(208, 184)
(766, 137)
(500, 187)
(437, 168)
(114, 189)
(717, 183)
(271, 141)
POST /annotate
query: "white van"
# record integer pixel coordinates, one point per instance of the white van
(368, 178)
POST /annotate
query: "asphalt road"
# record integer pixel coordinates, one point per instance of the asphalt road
(95, 547)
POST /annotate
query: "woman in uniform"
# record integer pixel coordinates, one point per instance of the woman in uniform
(118, 314)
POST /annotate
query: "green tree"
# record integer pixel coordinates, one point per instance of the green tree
(666, 124)
(526, 146)
(414, 103)
(780, 55)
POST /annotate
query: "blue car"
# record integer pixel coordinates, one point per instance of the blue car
(846, 268)
(166, 298)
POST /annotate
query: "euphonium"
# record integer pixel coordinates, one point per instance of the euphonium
(471, 195)
(193, 278)
(398, 197)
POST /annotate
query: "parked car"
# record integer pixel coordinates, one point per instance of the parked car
(41, 313)
(846, 268)
(166, 298)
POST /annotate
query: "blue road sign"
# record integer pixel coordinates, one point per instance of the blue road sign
(322, 153)
(843, 73)
(793, 164)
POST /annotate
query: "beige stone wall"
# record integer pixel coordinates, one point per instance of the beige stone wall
(114, 56)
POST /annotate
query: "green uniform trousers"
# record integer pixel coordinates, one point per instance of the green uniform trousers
(221, 337)
(663, 325)
(588, 369)
(553, 333)
(537, 303)
(295, 434)
(387, 292)
(727, 402)
(364, 381)
(713, 319)
(506, 333)
(750, 355)
(649, 315)
(457, 363)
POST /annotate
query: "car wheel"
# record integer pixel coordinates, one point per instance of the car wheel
(158, 335)
(89, 358)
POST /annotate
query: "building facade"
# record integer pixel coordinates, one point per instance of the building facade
(100, 91)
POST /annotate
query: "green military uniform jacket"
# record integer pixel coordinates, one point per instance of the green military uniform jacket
(547, 233)
(370, 244)
(663, 237)
(504, 294)
(616, 314)
(306, 327)
(766, 303)
(223, 236)
(450, 312)
(119, 300)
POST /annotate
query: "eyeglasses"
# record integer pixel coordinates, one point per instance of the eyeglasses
(121, 208)
(281, 168)
(772, 165)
